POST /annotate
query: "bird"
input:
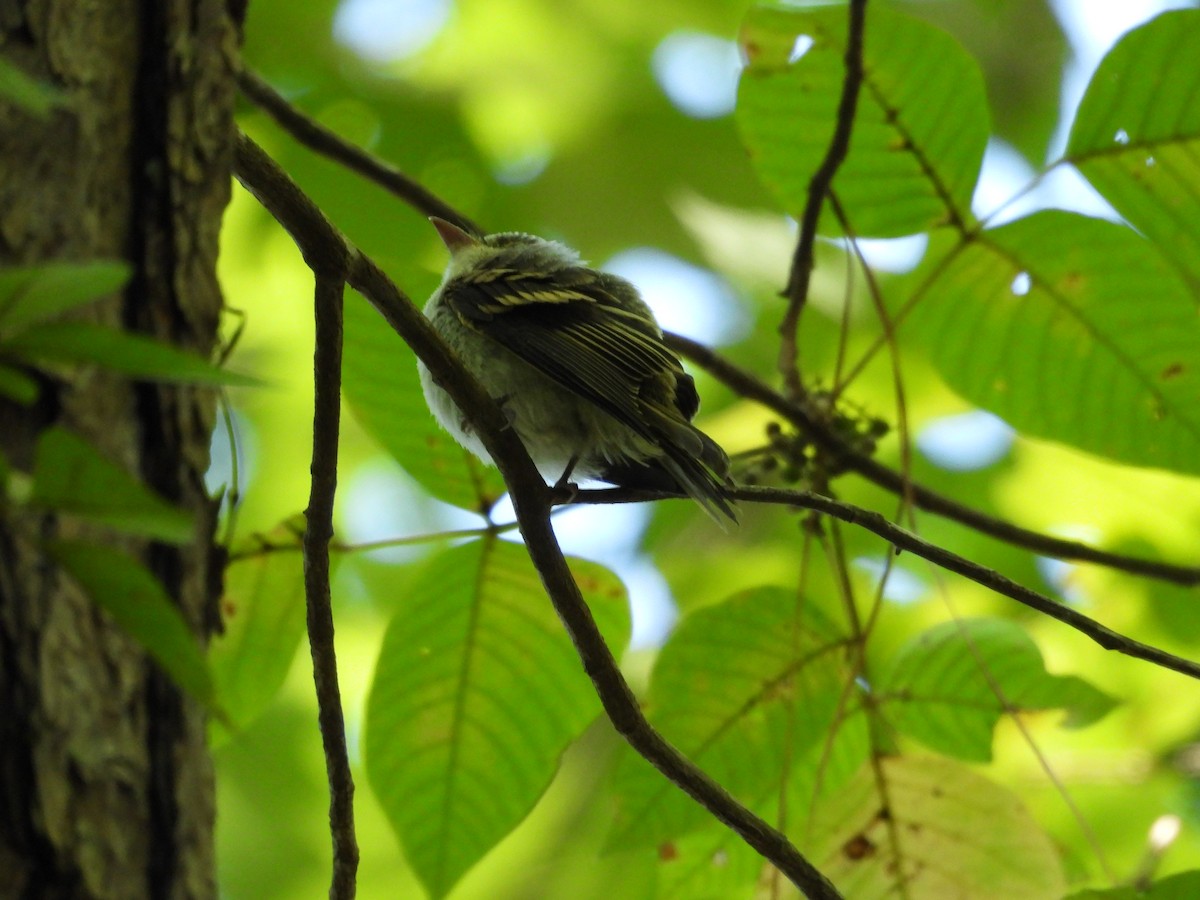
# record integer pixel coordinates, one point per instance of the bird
(578, 364)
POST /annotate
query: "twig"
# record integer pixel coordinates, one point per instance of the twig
(532, 502)
(749, 386)
(989, 578)
(320, 139)
(327, 372)
(839, 145)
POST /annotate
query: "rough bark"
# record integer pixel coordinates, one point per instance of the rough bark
(106, 787)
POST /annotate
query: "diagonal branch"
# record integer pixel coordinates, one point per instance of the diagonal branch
(321, 140)
(317, 239)
(902, 539)
(747, 385)
(839, 145)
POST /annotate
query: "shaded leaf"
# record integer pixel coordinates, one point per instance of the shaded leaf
(749, 691)
(945, 832)
(941, 687)
(477, 693)
(1184, 886)
(139, 605)
(18, 386)
(380, 381)
(918, 138)
(1136, 135)
(33, 294)
(130, 354)
(263, 611)
(31, 94)
(1072, 329)
(70, 475)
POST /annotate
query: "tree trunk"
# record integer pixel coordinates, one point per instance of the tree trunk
(106, 785)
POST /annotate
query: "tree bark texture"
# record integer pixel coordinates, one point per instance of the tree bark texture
(106, 785)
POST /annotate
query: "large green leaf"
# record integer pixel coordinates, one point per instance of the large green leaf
(33, 294)
(1072, 329)
(139, 605)
(477, 693)
(131, 354)
(749, 691)
(922, 123)
(949, 686)
(1136, 136)
(69, 475)
(939, 831)
(381, 386)
(263, 613)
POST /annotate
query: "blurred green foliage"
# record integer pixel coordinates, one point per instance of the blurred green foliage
(547, 117)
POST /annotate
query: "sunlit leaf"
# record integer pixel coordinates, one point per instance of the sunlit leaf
(940, 831)
(263, 613)
(477, 693)
(1136, 135)
(749, 690)
(919, 135)
(382, 389)
(949, 686)
(139, 605)
(33, 294)
(70, 475)
(1072, 329)
(130, 354)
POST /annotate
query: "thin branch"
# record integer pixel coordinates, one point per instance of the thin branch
(989, 578)
(839, 145)
(747, 385)
(321, 140)
(532, 500)
(327, 376)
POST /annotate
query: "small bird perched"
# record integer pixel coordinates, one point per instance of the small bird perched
(578, 364)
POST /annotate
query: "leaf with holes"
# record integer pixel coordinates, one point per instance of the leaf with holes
(1072, 329)
(949, 686)
(938, 831)
(1136, 136)
(749, 690)
(477, 693)
(382, 389)
(919, 134)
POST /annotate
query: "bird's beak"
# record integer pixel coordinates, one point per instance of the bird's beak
(452, 236)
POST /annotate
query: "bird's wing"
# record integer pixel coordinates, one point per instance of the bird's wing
(572, 327)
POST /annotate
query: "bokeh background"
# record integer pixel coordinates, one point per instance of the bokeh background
(608, 124)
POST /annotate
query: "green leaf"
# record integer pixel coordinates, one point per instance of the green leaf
(941, 687)
(139, 605)
(477, 693)
(263, 611)
(1183, 886)
(18, 386)
(748, 690)
(918, 138)
(69, 475)
(1136, 136)
(33, 294)
(1072, 329)
(942, 831)
(130, 354)
(379, 378)
(32, 95)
